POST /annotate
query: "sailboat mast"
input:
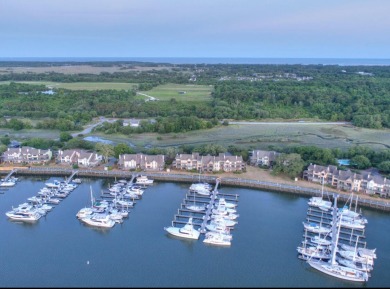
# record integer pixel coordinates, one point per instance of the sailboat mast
(356, 204)
(90, 187)
(355, 252)
(335, 230)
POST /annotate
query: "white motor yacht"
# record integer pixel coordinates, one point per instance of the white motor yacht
(188, 231)
(99, 220)
(222, 201)
(135, 190)
(196, 208)
(217, 239)
(85, 212)
(24, 215)
(7, 184)
(143, 180)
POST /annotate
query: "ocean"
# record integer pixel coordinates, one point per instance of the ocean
(213, 60)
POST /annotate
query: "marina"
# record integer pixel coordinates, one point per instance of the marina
(378, 204)
(264, 240)
(38, 206)
(214, 219)
(105, 214)
(323, 246)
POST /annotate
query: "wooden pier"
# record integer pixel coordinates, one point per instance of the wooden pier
(202, 217)
(324, 218)
(208, 213)
(10, 174)
(68, 180)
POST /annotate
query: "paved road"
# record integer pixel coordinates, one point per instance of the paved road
(150, 97)
(89, 127)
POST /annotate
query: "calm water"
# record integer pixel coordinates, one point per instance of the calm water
(138, 253)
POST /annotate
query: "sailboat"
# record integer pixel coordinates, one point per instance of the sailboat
(319, 202)
(332, 267)
(86, 210)
(196, 208)
(354, 263)
(352, 219)
(310, 249)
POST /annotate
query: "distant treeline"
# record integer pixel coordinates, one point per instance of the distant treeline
(364, 102)
(360, 94)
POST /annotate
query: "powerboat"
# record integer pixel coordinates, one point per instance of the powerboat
(7, 184)
(196, 208)
(24, 215)
(99, 220)
(217, 239)
(143, 180)
(188, 231)
(222, 201)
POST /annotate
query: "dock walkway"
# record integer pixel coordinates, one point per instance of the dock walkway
(379, 204)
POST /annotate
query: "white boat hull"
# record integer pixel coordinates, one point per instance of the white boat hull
(176, 232)
(339, 271)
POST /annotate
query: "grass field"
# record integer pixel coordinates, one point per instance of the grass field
(263, 136)
(82, 85)
(181, 92)
(260, 136)
(161, 92)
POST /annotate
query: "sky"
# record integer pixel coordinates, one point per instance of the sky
(195, 28)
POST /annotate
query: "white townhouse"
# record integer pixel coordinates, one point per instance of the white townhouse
(263, 158)
(347, 180)
(208, 163)
(141, 162)
(26, 154)
(80, 157)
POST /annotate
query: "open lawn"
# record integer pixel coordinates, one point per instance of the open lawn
(181, 92)
(82, 85)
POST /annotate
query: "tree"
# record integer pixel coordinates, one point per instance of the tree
(65, 136)
(76, 143)
(384, 167)
(105, 150)
(288, 164)
(16, 124)
(5, 140)
(3, 148)
(360, 162)
(121, 149)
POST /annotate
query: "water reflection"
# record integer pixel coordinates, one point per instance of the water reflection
(25, 224)
(100, 230)
(98, 139)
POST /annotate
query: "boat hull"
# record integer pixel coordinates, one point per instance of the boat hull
(339, 271)
(176, 232)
